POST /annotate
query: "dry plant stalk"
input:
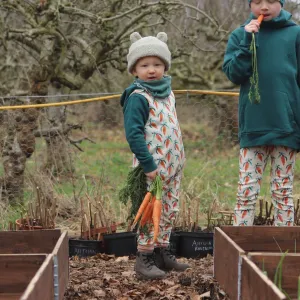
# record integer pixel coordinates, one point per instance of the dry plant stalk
(92, 210)
(42, 211)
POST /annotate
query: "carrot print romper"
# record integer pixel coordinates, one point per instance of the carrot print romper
(164, 141)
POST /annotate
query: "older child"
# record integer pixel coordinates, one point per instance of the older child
(270, 128)
(154, 136)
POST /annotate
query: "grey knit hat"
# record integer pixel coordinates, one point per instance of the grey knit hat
(148, 46)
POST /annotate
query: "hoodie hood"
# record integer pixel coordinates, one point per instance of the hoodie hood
(127, 93)
(282, 20)
(157, 88)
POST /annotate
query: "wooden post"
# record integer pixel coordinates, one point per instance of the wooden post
(227, 263)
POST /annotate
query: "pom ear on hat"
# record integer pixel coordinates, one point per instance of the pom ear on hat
(162, 36)
(135, 36)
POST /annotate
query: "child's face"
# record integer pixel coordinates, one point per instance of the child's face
(149, 68)
(269, 8)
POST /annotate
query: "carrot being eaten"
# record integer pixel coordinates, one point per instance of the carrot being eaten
(260, 19)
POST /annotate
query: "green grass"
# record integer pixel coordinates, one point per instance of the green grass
(211, 170)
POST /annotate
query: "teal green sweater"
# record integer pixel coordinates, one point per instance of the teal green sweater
(136, 114)
(276, 119)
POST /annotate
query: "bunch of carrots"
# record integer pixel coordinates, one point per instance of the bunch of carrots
(151, 207)
(254, 88)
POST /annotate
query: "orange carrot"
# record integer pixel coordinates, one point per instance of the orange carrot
(147, 215)
(260, 19)
(142, 208)
(157, 208)
(156, 218)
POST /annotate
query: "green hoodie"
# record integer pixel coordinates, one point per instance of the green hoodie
(136, 114)
(276, 119)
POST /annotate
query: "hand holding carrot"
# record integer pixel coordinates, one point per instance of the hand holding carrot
(254, 25)
(151, 175)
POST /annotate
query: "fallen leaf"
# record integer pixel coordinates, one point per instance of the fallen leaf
(127, 273)
(207, 294)
(173, 288)
(168, 282)
(122, 259)
(99, 293)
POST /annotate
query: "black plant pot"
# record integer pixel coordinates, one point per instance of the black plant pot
(174, 242)
(195, 244)
(84, 248)
(120, 244)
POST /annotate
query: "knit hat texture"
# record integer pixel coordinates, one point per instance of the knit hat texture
(148, 46)
(281, 2)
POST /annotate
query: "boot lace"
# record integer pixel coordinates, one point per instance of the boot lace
(169, 254)
(148, 260)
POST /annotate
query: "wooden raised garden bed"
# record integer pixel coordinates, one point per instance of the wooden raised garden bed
(33, 264)
(243, 254)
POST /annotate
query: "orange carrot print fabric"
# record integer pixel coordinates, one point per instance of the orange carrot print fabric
(164, 142)
(252, 163)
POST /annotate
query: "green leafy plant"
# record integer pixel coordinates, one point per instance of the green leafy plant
(134, 189)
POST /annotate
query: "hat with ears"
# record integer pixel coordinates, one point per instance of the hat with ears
(148, 46)
(281, 2)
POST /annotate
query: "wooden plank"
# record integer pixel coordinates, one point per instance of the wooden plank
(290, 269)
(226, 263)
(41, 286)
(14, 296)
(34, 241)
(257, 286)
(16, 271)
(265, 238)
(61, 250)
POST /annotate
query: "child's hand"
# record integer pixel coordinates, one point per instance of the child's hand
(253, 26)
(152, 174)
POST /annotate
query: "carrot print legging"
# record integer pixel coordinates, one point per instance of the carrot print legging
(252, 164)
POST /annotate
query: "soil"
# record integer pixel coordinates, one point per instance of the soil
(107, 277)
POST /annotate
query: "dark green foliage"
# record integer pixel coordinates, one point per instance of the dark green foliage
(135, 189)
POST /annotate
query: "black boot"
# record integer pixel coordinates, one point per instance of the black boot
(146, 268)
(165, 260)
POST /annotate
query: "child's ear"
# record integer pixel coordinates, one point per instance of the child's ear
(133, 72)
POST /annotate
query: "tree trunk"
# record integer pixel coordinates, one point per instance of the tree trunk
(59, 160)
(14, 161)
(18, 144)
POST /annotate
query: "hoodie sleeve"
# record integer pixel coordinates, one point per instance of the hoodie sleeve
(136, 114)
(237, 61)
(298, 58)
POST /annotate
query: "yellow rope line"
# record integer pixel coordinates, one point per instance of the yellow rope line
(190, 92)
